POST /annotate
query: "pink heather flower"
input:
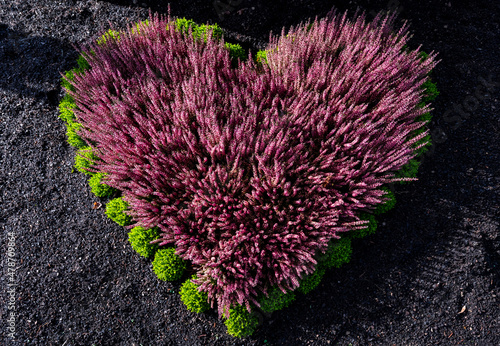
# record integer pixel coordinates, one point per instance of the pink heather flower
(250, 172)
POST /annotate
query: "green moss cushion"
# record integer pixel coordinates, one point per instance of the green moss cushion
(388, 204)
(194, 300)
(167, 265)
(141, 238)
(276, 300)
(98, 187)
(115, 210)
(338, 253)
(312, 281)
(371, 227)
(241, 323)
(84, 159)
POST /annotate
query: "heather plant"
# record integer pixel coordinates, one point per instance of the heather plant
(258, 173)
(194, 300)
(141, 239)
(167, 265)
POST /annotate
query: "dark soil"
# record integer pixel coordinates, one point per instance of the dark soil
(430, 276)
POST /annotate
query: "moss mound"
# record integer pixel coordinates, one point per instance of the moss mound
(167, 265)
(241, 323)
(194, 300)
(141, 238)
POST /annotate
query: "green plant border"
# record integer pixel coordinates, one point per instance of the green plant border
(166, 264)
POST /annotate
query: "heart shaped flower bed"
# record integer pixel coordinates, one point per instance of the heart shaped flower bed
(255, 173)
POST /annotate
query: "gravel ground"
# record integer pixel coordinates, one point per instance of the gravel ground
(430, 276)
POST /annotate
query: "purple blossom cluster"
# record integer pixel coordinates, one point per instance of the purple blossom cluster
(250, 171)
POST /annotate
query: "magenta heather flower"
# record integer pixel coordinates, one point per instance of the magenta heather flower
(250, 172)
